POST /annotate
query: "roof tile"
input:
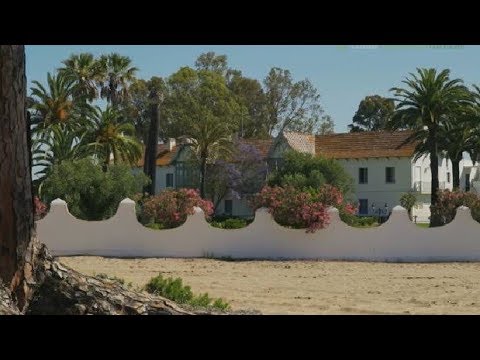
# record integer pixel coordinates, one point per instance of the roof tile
(372, 144)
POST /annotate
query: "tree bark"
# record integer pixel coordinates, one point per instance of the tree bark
(59, 290)
(146, 161)
(16, 205)
(434, 218)
(64, 291)
(152, 141)
(31, 281)
(456, 172)
(7, 305)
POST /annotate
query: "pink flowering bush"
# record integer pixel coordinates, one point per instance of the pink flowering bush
(40, 208)
(170, 208)
(301, 209)
(449, 201)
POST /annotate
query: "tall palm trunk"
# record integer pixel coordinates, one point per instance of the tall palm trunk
(113, 96)
(203, 173)
(456, 171)
(146, 165)
(434, 219)
(152, 142)
(106, 162)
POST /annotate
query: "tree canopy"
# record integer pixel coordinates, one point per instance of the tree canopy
(373, 114)
(307, 172)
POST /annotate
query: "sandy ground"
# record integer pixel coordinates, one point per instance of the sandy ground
(311, 287)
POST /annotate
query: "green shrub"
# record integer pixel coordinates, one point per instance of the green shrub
(170, 288)
(220, 304)
(408, 201)
(359, 221)
(174, 290)
(305, 171)
(230, 223)
(235, 223)
(155, 226)
(91, 194)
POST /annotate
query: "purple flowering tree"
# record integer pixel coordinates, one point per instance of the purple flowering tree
(242, 174)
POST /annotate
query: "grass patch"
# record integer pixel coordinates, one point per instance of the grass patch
(174, 290)
(423, 225)
(155, 226)
(229, 223)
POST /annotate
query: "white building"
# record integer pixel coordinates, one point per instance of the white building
(381, 164)
(174, 171)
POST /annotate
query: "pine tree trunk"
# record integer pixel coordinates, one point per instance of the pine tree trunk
(31, 281)
(16, 204)
(65, 291)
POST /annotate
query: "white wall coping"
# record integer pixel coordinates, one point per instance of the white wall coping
(398, 239)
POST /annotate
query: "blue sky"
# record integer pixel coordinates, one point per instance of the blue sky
(344, 75)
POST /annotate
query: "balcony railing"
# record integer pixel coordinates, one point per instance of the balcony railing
(425, 187)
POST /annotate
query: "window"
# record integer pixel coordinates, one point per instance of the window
(363, 175)
(228, 207)
(169, 180)
(363, 206)
(448, 177)
(390, 175)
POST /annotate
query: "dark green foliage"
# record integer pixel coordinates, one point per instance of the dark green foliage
(231, 223)
(174, 290)
(408, 201)
(90, 193)
(306, 172)
(373, 114)
(170, 288)
(429, 102)
(359, 221)
(155, 226)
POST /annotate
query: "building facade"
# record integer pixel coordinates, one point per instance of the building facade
(382, 165)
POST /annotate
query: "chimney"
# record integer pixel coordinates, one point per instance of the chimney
(171, 143)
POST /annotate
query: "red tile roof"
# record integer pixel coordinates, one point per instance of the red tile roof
(262, 145)
(372, 144)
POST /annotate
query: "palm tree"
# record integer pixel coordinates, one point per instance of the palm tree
(425, 106)
(62, 144)
(54, 104)
(473, 143)
(109, 137)
(209, 140)
(85, 72)
(118, 75)
(455, 139)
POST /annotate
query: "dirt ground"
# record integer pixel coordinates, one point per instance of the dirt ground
(311, 287)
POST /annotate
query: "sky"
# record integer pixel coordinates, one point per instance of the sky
(343, 74)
